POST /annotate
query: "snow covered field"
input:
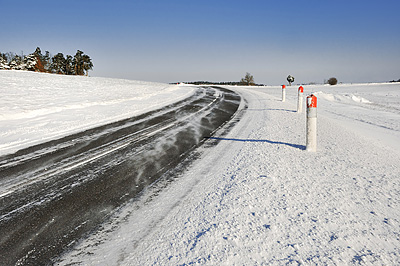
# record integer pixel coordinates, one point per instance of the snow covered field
(257, 197)
(38, 107)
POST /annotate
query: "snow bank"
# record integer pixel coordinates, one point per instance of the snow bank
(347, 98)
(37, 107)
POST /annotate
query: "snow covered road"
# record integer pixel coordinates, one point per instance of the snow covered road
(54, 193)
(253, 196)
(258, 198)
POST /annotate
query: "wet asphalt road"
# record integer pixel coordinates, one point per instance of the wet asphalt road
(55, 193)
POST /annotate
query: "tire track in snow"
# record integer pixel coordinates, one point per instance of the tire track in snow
(54, 193)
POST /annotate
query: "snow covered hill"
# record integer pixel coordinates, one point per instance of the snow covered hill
(38, 107)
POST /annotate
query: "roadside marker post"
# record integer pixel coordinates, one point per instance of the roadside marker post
(283, 93)
(300, 99)
(311, 139)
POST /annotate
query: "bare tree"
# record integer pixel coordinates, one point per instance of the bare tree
(248, 80)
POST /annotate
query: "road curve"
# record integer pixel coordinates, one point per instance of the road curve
(55, 193)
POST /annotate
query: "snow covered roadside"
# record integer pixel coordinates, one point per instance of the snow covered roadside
(259, 198)
(38, 107)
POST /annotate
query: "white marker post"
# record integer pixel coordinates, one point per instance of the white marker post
(300, 99)
(283, 93)
(311, 140)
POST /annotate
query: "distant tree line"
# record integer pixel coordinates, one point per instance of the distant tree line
(79, 64)
(248, 80)
(220, 83)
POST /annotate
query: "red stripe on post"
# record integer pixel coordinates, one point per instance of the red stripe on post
(311, 101)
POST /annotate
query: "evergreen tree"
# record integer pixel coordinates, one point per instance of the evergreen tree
(58, 64)
(69, 68)
(78, 63)
(16, 63)
(87, 64)
(30, 62)
(46, 60)
(38, 52)
(4, 61)
(82, 63)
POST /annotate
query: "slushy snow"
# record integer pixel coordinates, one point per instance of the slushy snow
(258, 198)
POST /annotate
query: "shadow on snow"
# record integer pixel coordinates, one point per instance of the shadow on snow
(301, 147)
(286, 110)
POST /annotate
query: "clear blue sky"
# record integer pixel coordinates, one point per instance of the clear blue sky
(177, 40)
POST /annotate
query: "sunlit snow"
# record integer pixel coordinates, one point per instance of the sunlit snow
(256, 198)
(37, 107)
